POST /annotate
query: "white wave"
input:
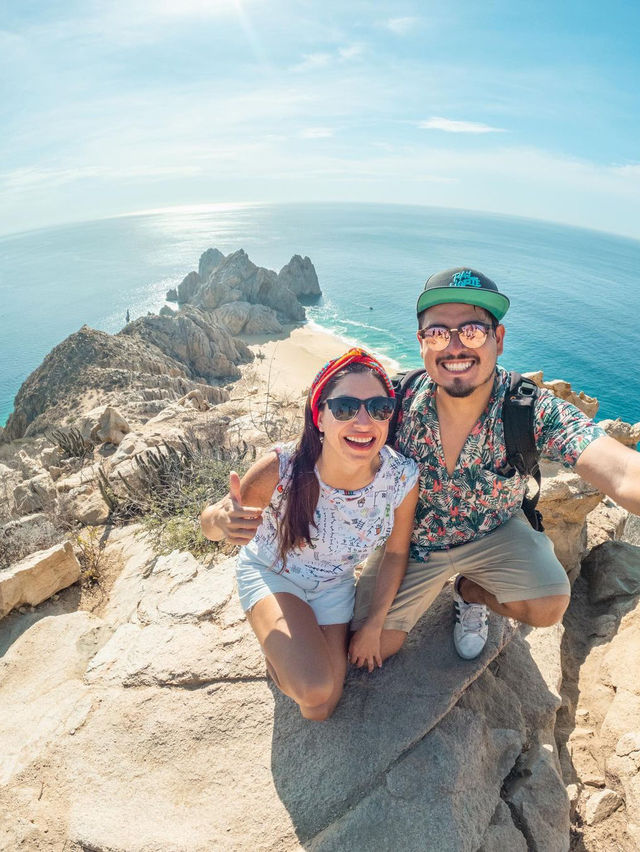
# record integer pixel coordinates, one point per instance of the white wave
(336, 331)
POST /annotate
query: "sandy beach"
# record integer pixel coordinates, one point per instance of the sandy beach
(291, 361)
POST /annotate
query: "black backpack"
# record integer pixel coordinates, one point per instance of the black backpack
(517, 416)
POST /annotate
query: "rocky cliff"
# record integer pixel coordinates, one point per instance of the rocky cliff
(92, 366)
(160, 357)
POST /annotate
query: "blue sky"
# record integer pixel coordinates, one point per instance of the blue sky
(512, 107)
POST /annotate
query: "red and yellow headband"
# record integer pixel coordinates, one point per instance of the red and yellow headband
(353, 356)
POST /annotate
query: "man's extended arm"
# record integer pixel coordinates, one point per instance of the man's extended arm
(614, 469)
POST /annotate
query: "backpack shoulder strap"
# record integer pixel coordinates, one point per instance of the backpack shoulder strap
(522, 454)
(518, 419)
(401, 383)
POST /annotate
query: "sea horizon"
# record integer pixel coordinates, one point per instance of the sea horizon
(372, 261)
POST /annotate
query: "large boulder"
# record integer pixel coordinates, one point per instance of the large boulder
(588, 404)
(209, 261)
(299, 276)
(38, 576)
(244, 318)
(612, 570)
(565, 502)
(171, 682)
(188, 286)
(626, 433)
(103, 424)
(35, 494)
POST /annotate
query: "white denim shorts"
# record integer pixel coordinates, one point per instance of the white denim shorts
(332, 601)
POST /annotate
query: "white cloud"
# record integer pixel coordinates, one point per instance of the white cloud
(351, 52)
(401, 26)
(451, 126)
(316, 133)
(312, 61)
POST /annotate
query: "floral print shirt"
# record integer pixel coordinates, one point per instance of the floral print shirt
(476, 498)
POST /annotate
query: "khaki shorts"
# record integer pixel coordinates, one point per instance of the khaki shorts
(514, 563)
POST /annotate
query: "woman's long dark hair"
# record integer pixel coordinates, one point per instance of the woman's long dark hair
(294, 523)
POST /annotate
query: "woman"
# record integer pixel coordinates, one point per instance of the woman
(307, 515)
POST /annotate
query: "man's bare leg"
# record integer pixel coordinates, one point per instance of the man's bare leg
(539, 612)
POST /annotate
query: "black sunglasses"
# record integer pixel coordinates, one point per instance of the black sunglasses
(346, 408)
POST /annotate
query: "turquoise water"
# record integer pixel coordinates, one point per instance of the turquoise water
(575, 299)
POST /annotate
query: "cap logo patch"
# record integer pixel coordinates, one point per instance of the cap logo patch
(465, 279)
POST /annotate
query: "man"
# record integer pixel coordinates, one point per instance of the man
(469, 519)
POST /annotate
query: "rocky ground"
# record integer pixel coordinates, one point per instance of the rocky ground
(135, 711)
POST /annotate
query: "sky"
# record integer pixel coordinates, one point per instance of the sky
(114, 106)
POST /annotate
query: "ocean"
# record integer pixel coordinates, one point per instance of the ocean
(575, 294)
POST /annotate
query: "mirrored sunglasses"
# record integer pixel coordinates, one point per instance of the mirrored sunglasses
(470, 334)
(346, 408)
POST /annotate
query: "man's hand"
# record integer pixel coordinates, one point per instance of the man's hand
(364, 648)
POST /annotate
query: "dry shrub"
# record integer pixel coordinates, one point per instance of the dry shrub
(172, 487)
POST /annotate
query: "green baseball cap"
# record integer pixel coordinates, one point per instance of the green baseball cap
(466, 286)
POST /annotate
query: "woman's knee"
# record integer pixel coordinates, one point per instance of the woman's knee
(313, 691)
(321, 712)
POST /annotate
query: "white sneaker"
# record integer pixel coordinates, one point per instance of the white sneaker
(471, 626)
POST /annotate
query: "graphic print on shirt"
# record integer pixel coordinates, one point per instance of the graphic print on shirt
(347, 525)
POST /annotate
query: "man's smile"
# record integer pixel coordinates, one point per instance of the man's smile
(457, 366)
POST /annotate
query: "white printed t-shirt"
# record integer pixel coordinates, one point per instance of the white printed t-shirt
(349, 524)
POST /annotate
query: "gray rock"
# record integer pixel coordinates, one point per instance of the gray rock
(169, 685)
(602, 804)
(540, 800)
(300, 277)
(28, 466)
(35, 494)
(204, 349)
(244, 318)
(93, 364)
(188, 287)
(86, 505)
(237, 279)
(565, 502)
(612, 570)
(632, 530)
(209, 261)
(467, 761)
(502, 834)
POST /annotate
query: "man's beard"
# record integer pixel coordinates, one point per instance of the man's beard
(459, 390)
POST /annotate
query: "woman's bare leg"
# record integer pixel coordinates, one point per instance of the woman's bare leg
(307, 662)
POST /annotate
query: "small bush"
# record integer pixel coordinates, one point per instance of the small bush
(173, 486)
(71, 443)
(89, 548)
(19, 540)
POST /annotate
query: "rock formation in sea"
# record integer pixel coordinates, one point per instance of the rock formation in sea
(261, 299)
